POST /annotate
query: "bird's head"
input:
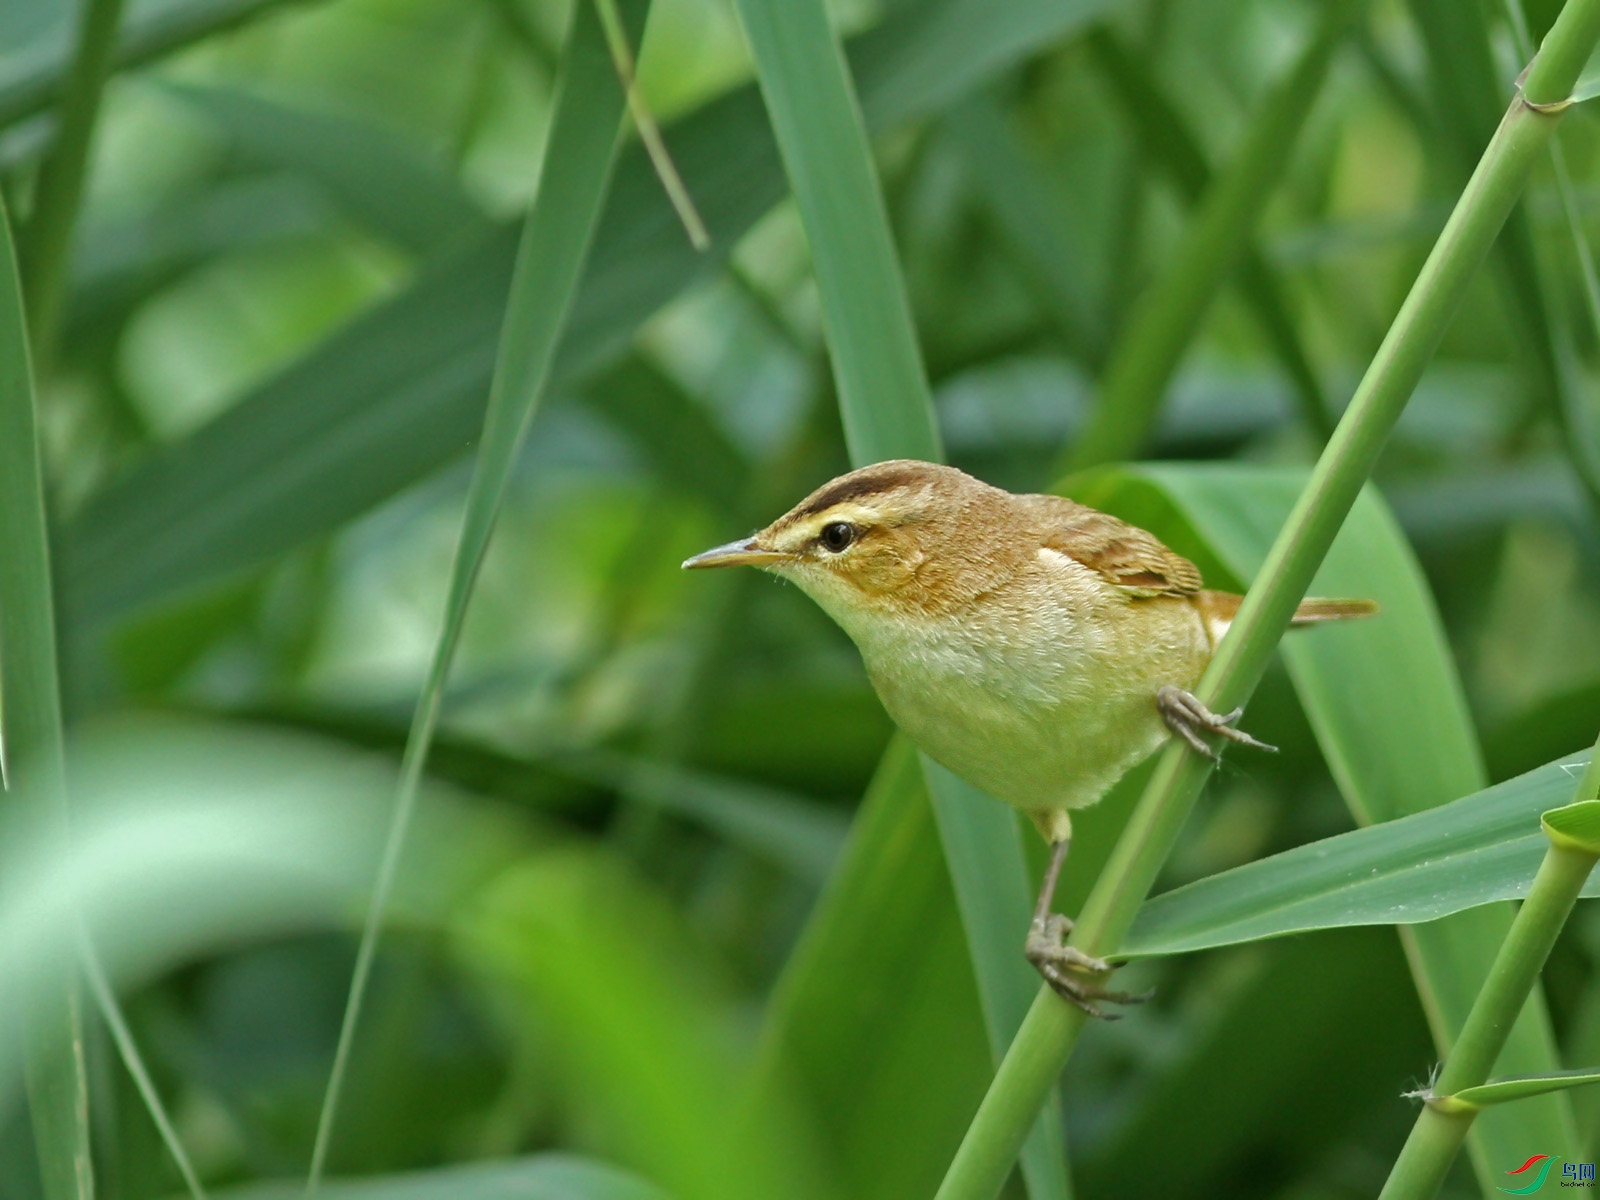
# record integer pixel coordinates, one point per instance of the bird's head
(895, 539)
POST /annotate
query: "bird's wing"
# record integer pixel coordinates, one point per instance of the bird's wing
(1124, 555)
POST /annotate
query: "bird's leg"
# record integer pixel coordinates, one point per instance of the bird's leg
(1061, 965)
(1188, 718)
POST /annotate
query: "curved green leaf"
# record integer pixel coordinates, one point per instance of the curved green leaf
(1498, 1091)
(1473, 851)
(192, 837)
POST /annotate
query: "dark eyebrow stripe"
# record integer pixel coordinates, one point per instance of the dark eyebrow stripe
(856, 485)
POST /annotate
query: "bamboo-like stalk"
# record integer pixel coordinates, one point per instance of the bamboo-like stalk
(1442, 1125)
(1165, 319)
(1048, 1034)
(47, 241)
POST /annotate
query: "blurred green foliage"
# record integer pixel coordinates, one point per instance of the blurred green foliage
(634, 922)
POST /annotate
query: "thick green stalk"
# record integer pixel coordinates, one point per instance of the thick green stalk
(1442, 1124)
(30, 733)
(1052, 1026)
(1166, 317)
(57, 195)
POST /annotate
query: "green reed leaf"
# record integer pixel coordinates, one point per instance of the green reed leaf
(31, 750)
(1481, 849)
(577, 169)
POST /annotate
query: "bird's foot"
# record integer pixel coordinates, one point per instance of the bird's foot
(1188, 718)
(1063, 968)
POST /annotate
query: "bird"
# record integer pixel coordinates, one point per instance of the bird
(1036, 647)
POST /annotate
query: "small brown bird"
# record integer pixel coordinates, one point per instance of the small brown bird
(1035, 646)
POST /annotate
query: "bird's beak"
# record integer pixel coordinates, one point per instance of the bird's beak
(743, 553)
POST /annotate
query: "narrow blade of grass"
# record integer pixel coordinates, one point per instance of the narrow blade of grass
(58, 192)
(649, 133)
(1167, 316)
(1474, 851)
(560, 227)
(1501, 1091)
(888, 413)
(1573, 834)
(30, 737)
(811, 101)
(128, 1050)
(32, 761)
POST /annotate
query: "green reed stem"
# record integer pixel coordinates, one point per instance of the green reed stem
(1052, 1026)
(58, 193)
(1441, 1126)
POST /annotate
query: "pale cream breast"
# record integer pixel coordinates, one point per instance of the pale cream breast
(1042, 694)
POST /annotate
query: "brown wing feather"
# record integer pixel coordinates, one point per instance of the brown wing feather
(1123, 555)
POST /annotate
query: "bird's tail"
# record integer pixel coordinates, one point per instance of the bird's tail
(1311, 612)
(1217, 610)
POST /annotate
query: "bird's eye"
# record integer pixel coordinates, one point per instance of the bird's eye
(837, 535)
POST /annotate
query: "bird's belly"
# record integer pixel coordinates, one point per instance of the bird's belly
(1032, 721)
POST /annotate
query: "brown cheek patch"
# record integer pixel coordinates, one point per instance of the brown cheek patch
(877, 567)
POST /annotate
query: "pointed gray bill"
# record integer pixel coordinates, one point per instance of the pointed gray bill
(743, 553)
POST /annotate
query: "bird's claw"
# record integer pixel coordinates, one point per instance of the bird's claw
(1062, 965)
(1186, 716)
